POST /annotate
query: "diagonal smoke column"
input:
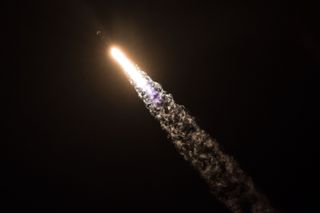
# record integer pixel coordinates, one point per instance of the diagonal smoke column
(227, 182)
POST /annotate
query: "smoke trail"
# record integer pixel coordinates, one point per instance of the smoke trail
(227, 182)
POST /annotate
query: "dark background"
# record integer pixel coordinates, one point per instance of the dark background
(77, 136)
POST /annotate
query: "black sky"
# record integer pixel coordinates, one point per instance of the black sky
(79, 138)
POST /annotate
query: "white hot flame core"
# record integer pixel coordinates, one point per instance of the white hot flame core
(129, 68)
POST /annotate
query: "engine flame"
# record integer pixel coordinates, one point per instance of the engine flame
(129, 68)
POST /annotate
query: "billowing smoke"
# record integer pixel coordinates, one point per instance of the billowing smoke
(226, 181)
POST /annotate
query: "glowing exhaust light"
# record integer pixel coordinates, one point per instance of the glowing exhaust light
(136, 76)
(130, 68)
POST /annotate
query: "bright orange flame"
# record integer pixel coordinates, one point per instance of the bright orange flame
(129, 67)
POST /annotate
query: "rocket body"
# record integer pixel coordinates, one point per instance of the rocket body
(102, 37)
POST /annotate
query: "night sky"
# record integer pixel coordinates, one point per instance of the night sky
(78, 138)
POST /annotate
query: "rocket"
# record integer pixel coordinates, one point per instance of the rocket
(103, 38)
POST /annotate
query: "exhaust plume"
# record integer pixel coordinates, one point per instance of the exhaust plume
(226, 181)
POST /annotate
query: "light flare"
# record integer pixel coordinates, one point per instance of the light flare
(129, 68)
(136, 76)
